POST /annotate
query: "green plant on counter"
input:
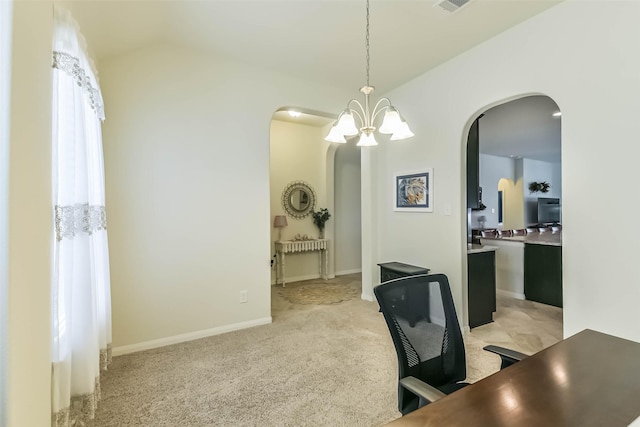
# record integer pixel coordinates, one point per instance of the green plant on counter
(542, 187)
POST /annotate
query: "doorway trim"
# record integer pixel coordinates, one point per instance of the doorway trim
(463, 194)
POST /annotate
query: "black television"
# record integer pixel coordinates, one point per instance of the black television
(549, 210)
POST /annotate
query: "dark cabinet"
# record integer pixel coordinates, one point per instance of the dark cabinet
(394, 270)
(543, 274)
(473, 167)
(481, 280)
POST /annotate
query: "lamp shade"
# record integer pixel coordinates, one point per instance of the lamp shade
(335, 135)
(367, 140)
(402, 133)
(391, 121)
(347, 124)
(280, 221)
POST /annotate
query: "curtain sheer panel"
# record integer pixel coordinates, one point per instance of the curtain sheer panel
(81, 301)
(5, 57)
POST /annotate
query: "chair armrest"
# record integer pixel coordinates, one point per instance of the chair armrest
(421, 389)
(508, 356)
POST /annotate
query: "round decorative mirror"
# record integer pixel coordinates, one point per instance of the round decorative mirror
(298, 199)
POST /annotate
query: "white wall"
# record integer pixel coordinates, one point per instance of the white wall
(187, 177)
(30, 211)
(298, 153)
(566, 53)
(348, 233)
(492, 169)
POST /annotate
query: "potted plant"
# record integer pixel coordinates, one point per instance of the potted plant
(319, 218)
(542, 187)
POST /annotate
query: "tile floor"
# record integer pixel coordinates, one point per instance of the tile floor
(521, 325)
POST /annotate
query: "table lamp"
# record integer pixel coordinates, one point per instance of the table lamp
(279, 222)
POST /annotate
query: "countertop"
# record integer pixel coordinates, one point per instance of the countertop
(475, 248)
(546, 238)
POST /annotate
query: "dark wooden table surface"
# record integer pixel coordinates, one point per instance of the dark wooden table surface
(589, 379)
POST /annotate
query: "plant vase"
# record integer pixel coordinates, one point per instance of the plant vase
(320, 218)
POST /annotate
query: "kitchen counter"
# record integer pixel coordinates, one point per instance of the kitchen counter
(545, 238)
(476, 249)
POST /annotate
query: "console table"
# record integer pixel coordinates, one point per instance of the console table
(298, 246)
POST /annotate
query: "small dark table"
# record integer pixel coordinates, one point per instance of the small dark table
(393, 270)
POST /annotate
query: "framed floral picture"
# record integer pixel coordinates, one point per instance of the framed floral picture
(413, 192)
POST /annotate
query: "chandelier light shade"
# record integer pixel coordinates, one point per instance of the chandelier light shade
(392, 122)
(335, 135)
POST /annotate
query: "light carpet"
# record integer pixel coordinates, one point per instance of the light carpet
(315, 365)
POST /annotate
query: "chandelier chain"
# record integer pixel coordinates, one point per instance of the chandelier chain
(367, 43)
(392, 124)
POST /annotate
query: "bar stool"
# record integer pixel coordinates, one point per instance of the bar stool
(489, 233)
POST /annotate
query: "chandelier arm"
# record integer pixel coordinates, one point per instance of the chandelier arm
(365, 114)
(362, 110)
(362, 122)
(379, 109)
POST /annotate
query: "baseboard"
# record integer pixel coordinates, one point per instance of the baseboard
(176, 339)
(367, 297)
(301, 278)
(343, 272)
(510, 294)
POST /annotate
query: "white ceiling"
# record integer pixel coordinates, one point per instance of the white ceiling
(522, 128)
(306, 117)
(319, 40)
(322, 41)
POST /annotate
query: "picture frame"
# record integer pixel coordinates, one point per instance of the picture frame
(413, 191)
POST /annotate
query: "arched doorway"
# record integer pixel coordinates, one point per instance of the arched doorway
(517, 144)
(299, 152)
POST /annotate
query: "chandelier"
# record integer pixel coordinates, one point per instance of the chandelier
(392, 123)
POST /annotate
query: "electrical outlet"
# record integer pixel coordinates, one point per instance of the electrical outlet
(244, 296)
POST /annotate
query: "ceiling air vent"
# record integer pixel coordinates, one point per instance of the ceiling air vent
(451, 5)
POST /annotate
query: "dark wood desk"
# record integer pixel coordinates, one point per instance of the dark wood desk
(589, 379)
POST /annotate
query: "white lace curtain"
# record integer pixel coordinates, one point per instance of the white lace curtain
(81, 301)
(5, 57)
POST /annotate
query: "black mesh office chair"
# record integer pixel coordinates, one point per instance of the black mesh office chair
(422, 319)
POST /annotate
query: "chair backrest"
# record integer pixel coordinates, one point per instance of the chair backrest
(422, 320)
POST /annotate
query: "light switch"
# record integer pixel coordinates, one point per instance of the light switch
(447, 210)
(493, 210)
